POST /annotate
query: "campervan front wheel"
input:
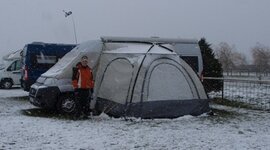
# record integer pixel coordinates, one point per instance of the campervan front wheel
(6, 84)
(66, 104)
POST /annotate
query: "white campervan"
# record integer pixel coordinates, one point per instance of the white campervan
(10, 70)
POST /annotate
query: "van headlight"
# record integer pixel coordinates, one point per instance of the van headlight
(49, 81)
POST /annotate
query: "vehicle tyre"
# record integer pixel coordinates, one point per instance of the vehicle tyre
(66, 104)
(7, 84)
(96, 112)
(25, 87)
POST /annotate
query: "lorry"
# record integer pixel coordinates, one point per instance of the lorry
(56, 82)
(37, 58)
(10, 70)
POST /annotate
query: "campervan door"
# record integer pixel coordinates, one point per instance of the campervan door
(37, 58)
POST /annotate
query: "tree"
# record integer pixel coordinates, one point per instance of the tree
(211, 67)
(239, 59)
(261, 57)
(229, 57)
(225, 55)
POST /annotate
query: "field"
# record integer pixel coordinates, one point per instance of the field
(23, 126)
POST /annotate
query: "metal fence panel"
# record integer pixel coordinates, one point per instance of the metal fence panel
(251, 91)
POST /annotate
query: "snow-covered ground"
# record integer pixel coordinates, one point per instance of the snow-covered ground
(231, 129)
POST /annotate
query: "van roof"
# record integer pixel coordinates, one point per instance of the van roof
(13, 55)
(150, 40)
(44, 44)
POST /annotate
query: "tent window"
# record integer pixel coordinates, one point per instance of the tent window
(167, 82)
(116, 81)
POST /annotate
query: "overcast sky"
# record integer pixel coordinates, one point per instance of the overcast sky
(239, 22)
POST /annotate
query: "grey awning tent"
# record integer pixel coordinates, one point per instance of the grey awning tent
(147, 78)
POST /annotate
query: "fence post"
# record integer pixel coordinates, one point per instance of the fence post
(222, 90)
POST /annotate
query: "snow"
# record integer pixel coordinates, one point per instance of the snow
(137, 48)
(15, 92)
(13, 55)
(245, 129)
(124, 48)
(63, 68)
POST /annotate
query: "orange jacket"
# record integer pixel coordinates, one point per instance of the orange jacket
(82, 77)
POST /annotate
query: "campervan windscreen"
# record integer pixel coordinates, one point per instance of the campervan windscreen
(2, 66)
(16, 65)
(5, 63)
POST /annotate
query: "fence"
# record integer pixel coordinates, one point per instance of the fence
(254, 92)
(247, 74)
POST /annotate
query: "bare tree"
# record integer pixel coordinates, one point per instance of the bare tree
(229, 57)
(224, 53)
(261, 57)
(239, 59)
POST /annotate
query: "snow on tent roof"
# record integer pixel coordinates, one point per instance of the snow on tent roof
(63, 68)
(136, 48)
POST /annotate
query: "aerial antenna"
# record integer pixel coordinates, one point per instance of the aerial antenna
(68, 13)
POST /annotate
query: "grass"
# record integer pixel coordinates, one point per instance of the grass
(18, 98)
(221, 116)
(235, 104)
(45, 113)
(23, 98)
(222, 113)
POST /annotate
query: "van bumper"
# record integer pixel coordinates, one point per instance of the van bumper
(44, 96)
